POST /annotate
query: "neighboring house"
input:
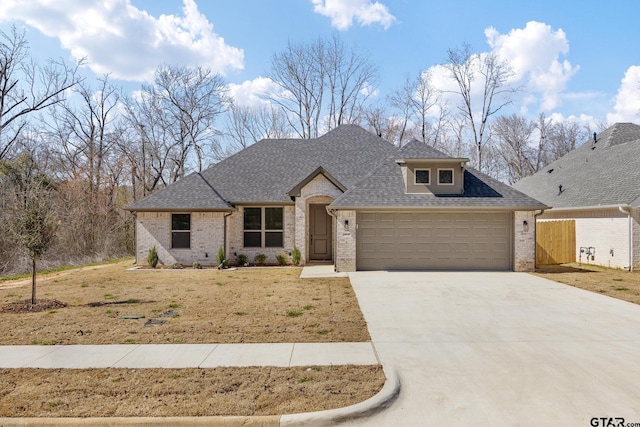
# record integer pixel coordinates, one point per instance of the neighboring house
(596, 187)
(347, 197)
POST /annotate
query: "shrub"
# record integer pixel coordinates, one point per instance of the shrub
(220, 257)
(197, 265)
(295, 256)
(260, 259)
(176, 266)
(152, 258)
(282, 259)
(241, 259)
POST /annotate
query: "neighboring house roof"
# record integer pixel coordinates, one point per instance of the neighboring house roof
(192, 192)
(603, 172)
(354, 160)
(385, 188)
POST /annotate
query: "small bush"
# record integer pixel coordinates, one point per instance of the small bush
(241, 259)
(152, 258)
(282, 259)
(260, 259)
(220, 257)
(295, 256)
(197, 265)
(177, 266)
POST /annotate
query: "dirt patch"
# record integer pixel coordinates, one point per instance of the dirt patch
(110, 305)
(615, 283)
(183, 392)
(25, 306)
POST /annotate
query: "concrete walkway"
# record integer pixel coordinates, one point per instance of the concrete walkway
(187, 355)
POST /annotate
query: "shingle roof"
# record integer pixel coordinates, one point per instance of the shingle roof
(601, 173)
(385, 187)
(192, 192)
(360, 161)
(416, 149)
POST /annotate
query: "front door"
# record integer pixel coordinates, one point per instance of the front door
(319, 233)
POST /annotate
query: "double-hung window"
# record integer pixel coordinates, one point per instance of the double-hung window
(263, 227)
(181, 231)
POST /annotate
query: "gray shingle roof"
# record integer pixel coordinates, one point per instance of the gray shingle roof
(416, 149)
(601, 173)
(192, 192)
(385, 187)
(360, 161)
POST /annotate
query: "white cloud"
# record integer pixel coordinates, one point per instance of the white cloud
(251, 93)
(120, 39)
(343, 12)
(535, 53)
(627, 106)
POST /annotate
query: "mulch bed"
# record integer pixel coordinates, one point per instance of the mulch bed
(25, 306)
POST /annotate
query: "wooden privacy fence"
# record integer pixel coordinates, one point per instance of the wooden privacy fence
(555, 242)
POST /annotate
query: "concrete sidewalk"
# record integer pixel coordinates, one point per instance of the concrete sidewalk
(187, 355)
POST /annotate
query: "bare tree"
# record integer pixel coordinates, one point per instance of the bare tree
(322, 77)
(299, 72)
(491, 73)
(33, 220)
(349, 75)
(247, 125)
(172, 125)
(86, 131)
(425, 98)
(26, 86)
(514, 135)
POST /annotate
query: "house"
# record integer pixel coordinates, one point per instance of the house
(595, 188)
(348, 197)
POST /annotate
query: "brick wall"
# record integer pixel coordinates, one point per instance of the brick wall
(345, 259)
(154, 229)
(605, 230)
(235, 242)
(635, 232)
(318, 191)
(524, 250)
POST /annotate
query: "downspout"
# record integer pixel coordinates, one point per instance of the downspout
(332, 213)
(536, 213)
(224, 234)
(627, 210)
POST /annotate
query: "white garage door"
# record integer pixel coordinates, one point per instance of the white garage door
(434, 241)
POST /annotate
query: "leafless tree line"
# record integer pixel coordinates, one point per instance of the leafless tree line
(99, 149)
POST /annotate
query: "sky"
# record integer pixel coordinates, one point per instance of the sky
(577, 60)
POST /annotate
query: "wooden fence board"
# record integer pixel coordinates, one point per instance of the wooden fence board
(555, 242)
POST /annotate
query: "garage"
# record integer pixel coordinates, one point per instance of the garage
(413, 240)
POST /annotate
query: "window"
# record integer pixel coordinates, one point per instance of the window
(181, 231)
(263, 225)
(423, 176)
(445, 176)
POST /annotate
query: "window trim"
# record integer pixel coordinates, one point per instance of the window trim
(453, 177)
(415, 176)
(173, 247)
(263, 224)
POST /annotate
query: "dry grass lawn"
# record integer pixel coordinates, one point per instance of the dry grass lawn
(196, 306)
(183, 392)
(615, 283)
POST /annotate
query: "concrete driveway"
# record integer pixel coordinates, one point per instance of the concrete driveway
(501, 349)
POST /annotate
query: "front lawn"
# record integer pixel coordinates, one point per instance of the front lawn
(109, 305)
(615, 283)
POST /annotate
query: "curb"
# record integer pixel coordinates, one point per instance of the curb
(382, 400)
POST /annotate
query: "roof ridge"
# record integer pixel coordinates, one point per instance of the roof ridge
(213, 189)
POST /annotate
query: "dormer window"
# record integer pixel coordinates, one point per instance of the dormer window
(423, 176)
(445, 176)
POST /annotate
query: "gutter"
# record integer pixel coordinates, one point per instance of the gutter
(627, 210)
(585, 208)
